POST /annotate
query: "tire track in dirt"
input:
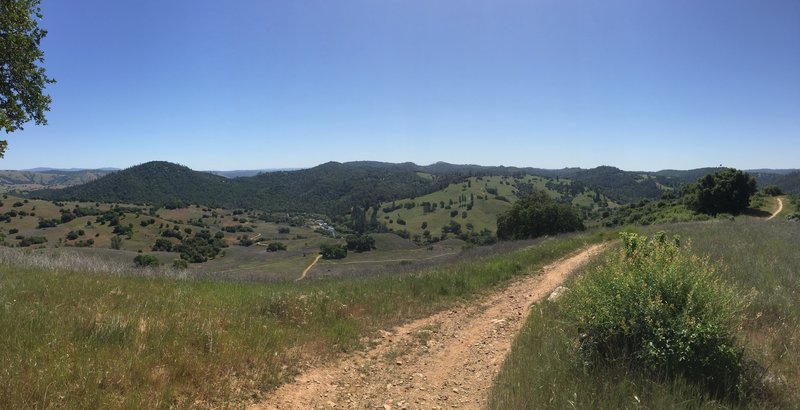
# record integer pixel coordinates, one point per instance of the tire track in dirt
(447, 360)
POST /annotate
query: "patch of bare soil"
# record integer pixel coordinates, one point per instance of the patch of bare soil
(447, 360)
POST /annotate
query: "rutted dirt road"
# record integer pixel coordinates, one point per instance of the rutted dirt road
(780, 208)
(447, 360)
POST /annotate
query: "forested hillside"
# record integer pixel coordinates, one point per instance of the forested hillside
(328, 188)
(156, 182)
(334, 188)
(788, 183)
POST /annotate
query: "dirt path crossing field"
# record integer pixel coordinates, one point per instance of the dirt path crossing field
(305, 272)
(447, 360)
(780, 208)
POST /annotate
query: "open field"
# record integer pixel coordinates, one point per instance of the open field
(543, 370)
(77, 339)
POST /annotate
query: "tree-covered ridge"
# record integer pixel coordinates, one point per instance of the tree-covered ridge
(329, 188)
(157, 182)
(335, 188)
(788, 183)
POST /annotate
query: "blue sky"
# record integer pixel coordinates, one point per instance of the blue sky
(642, 85)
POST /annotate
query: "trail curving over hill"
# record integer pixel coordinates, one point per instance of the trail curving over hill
(780, 208)
(447, 360)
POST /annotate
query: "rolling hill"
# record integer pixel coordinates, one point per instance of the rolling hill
(333, 188)
(328, 188)
(156, 182)
(32, 180)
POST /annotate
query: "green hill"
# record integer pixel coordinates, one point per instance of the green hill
(788, 183)
(156, 182)
(474, 204)
(328, 188)
(334, 188)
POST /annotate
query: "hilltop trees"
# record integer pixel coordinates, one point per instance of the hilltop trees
(725, 191)
(333, 251)
(360, 243)
(22, 79)
(536, 215)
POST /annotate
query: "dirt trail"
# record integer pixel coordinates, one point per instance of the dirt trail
(303, 275)
(447, 360)
(780, 208)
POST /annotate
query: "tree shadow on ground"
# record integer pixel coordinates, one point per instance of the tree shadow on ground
(757, 213)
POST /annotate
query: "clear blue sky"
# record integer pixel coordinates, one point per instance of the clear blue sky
(638, 84)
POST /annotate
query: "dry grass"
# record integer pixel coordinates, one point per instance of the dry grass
(73, 335)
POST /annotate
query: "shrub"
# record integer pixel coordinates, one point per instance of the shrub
(180, 264)
(333, 251)
(360, 243)
(452, 227)
(47, 223)
(33, 240)
(171, 233)
(116, 242)
(275, 246)
(656, 305)
(772, 190)
(163, 245)
(536, 215)
(145, 260)
(283, 230)
(124, 230)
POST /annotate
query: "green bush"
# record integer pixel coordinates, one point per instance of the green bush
(145, 260)
(728, 190)
(180, 264)
(276, 246)
(772, 190)
(537, 215)
(333, 251)
(659, 307)
(360, 243)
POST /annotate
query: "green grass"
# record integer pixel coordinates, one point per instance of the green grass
(544, 369)
(486, 207)
(90, 340)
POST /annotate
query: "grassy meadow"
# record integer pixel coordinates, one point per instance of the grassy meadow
(87, 339)
(757, 258)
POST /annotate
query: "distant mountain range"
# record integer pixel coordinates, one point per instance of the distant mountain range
(333, 187)
(59, 170)
(42, 178)
(249, 172)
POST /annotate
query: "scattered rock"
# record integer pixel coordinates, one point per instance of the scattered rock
(557, 293)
